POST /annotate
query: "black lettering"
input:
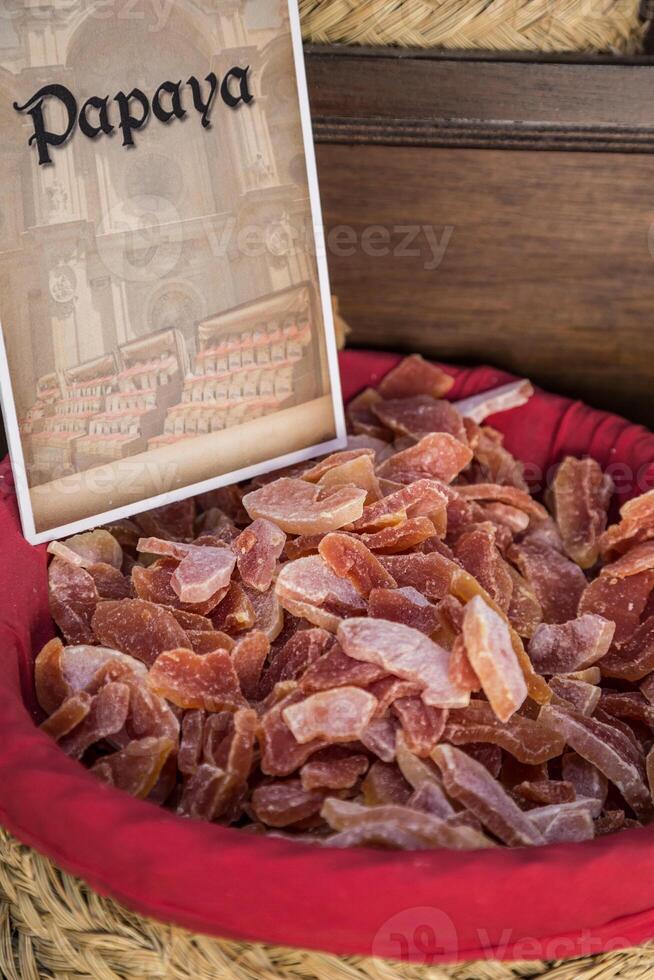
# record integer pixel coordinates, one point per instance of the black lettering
(244, 92)
(129, 123)
(165, 115)
(203, 106)
(103, 125)
(44, 137)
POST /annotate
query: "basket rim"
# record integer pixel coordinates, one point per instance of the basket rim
(263, 889)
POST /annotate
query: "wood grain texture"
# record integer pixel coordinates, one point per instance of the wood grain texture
(548, 270)
(474, 100)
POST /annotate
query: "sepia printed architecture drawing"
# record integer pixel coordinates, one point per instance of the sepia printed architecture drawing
(156, 293)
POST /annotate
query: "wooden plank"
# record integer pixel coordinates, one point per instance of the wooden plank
(548, 270)
(439, 99)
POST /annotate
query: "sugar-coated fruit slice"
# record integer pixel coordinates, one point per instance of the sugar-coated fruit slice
(257, 549)
(339, 715)
(581, 495)
(559, 648)
(298, 507)
(415, 376)
(136, 627)
(208, 682)
(492, 657)
(469, 782)
(405, 652)
(437, 456)
(349, 558)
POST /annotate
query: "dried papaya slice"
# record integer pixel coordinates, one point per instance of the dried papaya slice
(630, 705)
(349, 558)
(154, 585)
(560, 648)
(581, 495)
(339, 715)
(295, 658)
(388, 689)
(432, 575)
(249, 656)
(587, 780)
(234, 613)
(380, 738)
(207, 793)
(136, 768)
(172, 521)
(477, 551)
(422, 725)
(136, 627)
(482, 492)
(268, 613)
(635, 658)
(358, 472)
(415, 376)
(491, 654)
(191, 741)
(404, 605)
(298, 507)
(106, 716)
(469, 782)
(423, 498)
(582, 696)
(395, 826)
(525, 611)
(335, 669)
(90, 548)
(461, 670)
(546, 791)
(280, 804)
(73, 600)
(87, 668)
(437, 456)
(207, 682)
(620, 600)
(606, 748)
(384, 784)
(557, 583)
(405, 652)
(203, 572)
(67, 716)
(281, 753)
(638, 559)
(257, 549)
(528, 740)
(636, 527)
(361, 419)
(501, 399)
(308, 588)
(52, 689)
(333, 768)
(207, 641)
(419, 415)
(564, 822)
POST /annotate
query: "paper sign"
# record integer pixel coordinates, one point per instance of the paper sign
(164, 298)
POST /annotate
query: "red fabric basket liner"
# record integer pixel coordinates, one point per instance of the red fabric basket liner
(430, 906)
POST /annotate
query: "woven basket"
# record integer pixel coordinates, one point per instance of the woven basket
(500, 25)
(53, 925)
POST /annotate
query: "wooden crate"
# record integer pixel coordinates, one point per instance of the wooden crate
(534, 175)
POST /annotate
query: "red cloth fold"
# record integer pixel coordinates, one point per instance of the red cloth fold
(530, 903)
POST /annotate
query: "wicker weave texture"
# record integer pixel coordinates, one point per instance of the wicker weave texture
(500, 25)
(53, 925)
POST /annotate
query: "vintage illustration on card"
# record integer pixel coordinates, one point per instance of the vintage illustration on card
(163, 292)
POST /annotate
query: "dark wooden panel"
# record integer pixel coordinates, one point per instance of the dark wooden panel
(437, 99)
(548, 270)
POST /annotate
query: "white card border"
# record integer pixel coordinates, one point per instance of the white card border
(7, 400)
